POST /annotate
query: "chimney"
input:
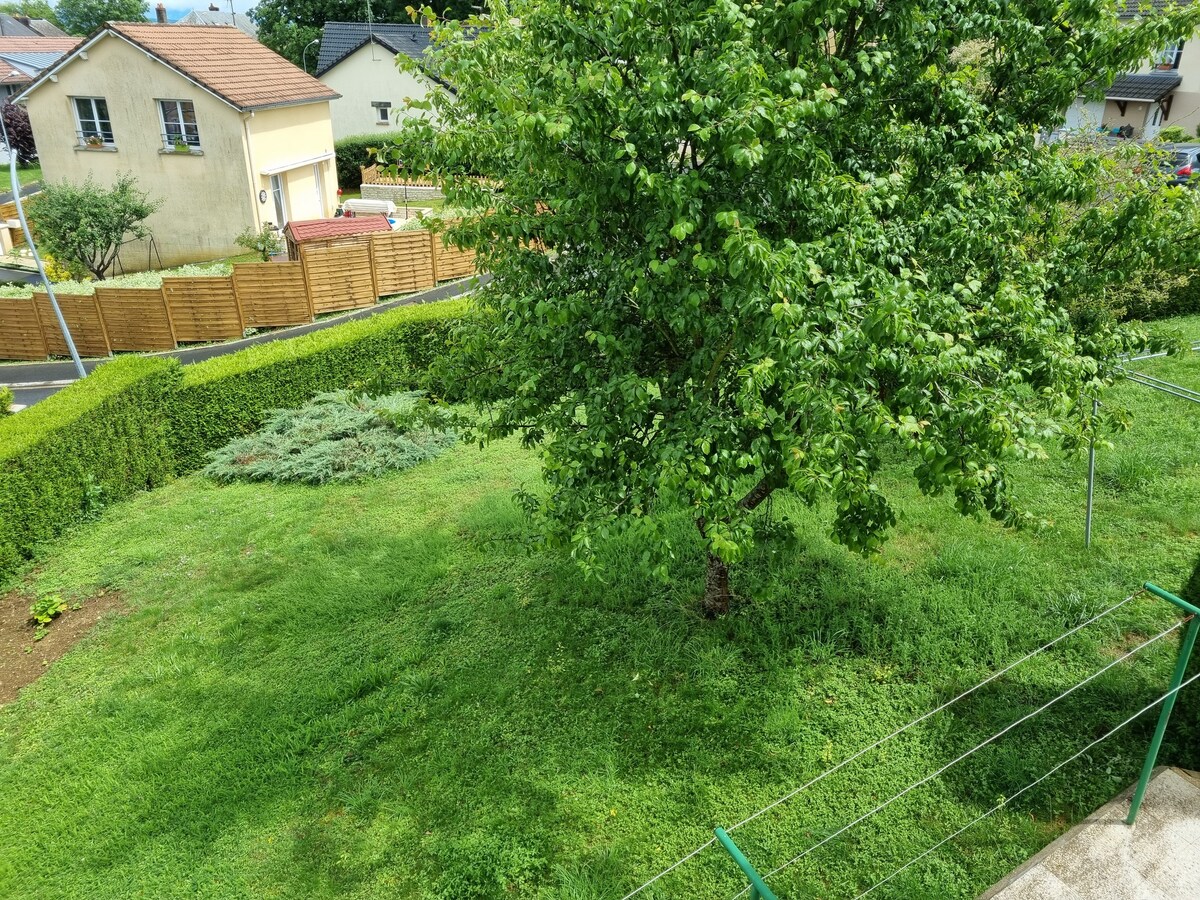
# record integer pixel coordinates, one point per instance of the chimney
(160, 14)
(212, 7)
(24, 20)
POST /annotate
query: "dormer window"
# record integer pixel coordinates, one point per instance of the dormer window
(93, 127)
(179, 129)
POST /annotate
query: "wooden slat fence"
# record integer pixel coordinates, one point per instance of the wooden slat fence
(272, 294)
(203, 308)
(403, 262)
(339, 277)
(82, 313)
(20, 330)
(136, 318)
(346, 274)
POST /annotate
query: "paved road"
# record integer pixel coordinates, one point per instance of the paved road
(31, 382)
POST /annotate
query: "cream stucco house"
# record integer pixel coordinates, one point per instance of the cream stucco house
(224, 132)
(358, 60)
(1165, 91)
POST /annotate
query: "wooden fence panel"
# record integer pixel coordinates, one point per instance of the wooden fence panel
(203, 308)
(403, 262)
(339, 277)
(450, 262)
(82, 313)
(272, 294)
(20, 332)
(136, 318)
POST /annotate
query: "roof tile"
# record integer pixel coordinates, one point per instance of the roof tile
(316, 229)
(227, 62)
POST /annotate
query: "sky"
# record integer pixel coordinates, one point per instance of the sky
(177, 10)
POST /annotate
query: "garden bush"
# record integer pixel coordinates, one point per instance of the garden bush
(338, 436)
(1181, 300)
(233, 395)
(98, 440)
(1173, 134)
(351, 152)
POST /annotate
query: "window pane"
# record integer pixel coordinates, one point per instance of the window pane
(170, 113)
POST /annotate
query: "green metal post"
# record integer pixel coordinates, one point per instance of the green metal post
(758, 887)
(1181, 664)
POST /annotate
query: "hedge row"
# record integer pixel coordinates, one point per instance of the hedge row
(99, 440)
(136, 421)
(229, 396)
(351, 152)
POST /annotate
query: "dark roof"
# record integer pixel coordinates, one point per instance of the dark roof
(340, 39)
(318, 229)
(1144, 87)
(223, 60)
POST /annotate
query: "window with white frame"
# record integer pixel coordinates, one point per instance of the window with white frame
(383, 111)
(1170, 56)
(93, 127)
(179, 129)
(281, 216)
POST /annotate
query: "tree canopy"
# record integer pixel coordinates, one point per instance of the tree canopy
(741, 247)
(34, 9)
(288, 26)
(85, 16)
(83, 225)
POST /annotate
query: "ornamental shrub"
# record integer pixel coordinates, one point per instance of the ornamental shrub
(351, 153)
(1173, 134)
(103, 437)
(233, 395)
(6, 401)
(336, 437)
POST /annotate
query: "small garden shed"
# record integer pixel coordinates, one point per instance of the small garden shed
(329, 232)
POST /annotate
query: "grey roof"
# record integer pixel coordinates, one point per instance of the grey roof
(31, 63)
(1144, 87)
(340, 39)
(209, 17)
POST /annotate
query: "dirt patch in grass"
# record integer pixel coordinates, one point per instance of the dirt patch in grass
(23, 659)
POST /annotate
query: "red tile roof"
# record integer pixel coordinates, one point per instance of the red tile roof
(37, 44)
(317, 229)
(228, 62)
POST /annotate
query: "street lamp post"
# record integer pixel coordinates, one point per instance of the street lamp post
(304, 53)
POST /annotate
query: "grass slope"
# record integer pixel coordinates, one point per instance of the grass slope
(374, 690)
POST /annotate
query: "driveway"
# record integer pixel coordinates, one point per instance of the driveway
(31, 382)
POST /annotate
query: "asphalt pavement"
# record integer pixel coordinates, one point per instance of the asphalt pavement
(31, 382)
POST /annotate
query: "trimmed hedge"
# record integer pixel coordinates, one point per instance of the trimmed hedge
(231, 396)
(98, 440)
(351, 152)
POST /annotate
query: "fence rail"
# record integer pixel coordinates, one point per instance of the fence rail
(349, 274)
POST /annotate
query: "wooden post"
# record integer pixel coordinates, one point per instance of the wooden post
(433, 254)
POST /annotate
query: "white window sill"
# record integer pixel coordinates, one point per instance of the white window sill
(191, 151)
(85, 149)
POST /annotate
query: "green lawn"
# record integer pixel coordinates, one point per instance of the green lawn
(29, 174)
(382, 691)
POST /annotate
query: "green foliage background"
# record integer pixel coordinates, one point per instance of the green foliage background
(351, 153)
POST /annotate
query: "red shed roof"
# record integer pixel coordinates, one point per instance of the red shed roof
(317, 229)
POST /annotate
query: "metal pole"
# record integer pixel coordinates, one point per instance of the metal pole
(758, 887)
(1091, 488)
(1185, 652)
(16, 189)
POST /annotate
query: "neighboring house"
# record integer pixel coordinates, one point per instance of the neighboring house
(224, 132)
(358, 61)
(22, 59)
(1165, 91)
(23, 26)
(214, 16)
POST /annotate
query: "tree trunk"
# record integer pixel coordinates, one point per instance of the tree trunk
(716, 588)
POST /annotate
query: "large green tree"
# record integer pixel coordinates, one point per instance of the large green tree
(85, 16)
(744, 247)
(288, 26)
